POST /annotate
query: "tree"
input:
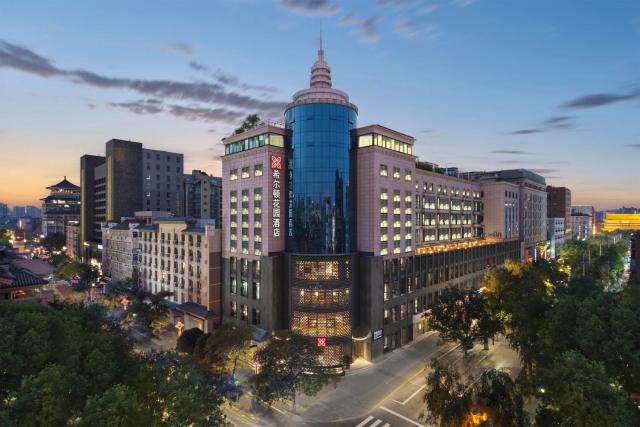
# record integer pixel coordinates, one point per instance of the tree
(499, 395)
(187, 341)
(181, 394)
(250, 121)
(53, 242)
(149, 310)
(578, 392)
(448, 399)
(69, 367)
(461, 316)
(519, 295)
(289, 366)
(226, 346)
(118, 406)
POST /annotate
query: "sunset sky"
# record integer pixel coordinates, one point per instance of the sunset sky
(553, 86)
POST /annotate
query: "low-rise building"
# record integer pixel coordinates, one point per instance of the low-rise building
(582, 222)
(120, 245)
(182, 256)
(555, 234)
(532, 197)
(72, 239)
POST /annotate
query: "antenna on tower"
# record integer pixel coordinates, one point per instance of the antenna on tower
(320, 34)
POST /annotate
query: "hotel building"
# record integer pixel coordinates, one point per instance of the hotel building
(182, 256)
(532, 207)
(338, 233)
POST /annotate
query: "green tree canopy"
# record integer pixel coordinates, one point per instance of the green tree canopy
(289, 366)
(64, 365)
(250, 121)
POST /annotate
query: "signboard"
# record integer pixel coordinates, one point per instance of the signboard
(276, 168)
(321, 342)
(377, 334)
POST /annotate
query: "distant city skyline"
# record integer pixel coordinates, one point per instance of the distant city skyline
(481, 85)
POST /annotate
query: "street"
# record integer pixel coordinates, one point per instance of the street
(388, 392)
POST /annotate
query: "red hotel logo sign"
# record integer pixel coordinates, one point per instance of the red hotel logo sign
(276, 162)
(321, 342)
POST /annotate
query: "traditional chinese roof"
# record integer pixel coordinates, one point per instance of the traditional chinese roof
(64, 185)
(13, 277)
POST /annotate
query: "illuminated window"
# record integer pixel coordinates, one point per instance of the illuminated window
(365, 141)
(233, 174)
(245, 172)
(407, 175)
(396, 173)
(257, 170)
(318, 270)
(383, 170)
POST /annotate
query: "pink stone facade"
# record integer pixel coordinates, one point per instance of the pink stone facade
(370, 185)
(270, 178)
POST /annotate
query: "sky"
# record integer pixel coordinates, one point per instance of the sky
(552, 86)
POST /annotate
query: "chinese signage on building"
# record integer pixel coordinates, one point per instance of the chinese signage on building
(276, 168)
(321, 342)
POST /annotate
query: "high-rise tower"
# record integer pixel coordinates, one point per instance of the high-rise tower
(321, 220)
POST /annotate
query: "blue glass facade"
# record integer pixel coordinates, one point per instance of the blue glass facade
(320, 221)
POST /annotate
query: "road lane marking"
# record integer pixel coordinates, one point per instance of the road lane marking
(413, 394)
(366, 420)
(375, 423)
(409, 420)
(386, 425)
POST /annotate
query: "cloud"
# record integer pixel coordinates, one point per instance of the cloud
(426, 131)
(509, 162)
(366, 28)
(601, 99)
(516, 152)
(544, 171)
(463, 3)
(211, 131)
(410, 30)
(91, 106)
(229, 79)
(205, 114)
(143, 106)
(634, 146)
(525, 131)
(179, 47)
(310, 7)
(552, 123)
(191, 113)
(22, 59)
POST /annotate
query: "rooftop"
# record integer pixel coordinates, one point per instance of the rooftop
(64, 185)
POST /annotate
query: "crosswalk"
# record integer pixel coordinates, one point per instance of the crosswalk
(376, 422)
